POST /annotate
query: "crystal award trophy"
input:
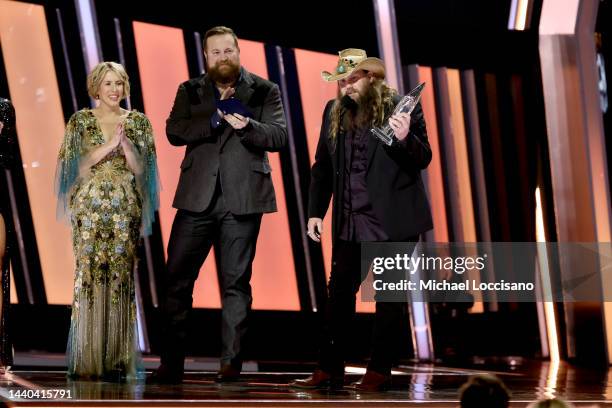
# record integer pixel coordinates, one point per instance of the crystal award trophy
(407, 104)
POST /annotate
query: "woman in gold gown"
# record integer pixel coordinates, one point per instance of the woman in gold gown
(107, 186)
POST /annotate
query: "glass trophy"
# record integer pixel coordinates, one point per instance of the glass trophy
(406, 104)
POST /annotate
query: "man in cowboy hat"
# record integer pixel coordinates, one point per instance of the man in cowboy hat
(378, 195)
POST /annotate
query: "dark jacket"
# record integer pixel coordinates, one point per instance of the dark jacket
(394, 184)
(239, 158)
(7, 136)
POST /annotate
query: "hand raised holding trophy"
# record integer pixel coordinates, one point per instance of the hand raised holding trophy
(405, 105)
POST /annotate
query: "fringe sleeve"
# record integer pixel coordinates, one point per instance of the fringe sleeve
(148, 181)
(67, 170)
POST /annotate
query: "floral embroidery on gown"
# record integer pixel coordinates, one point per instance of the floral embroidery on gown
(108, 209)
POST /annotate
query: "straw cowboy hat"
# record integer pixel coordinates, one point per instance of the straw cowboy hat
(353, 59)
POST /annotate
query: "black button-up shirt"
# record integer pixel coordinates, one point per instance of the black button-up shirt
(358, 222)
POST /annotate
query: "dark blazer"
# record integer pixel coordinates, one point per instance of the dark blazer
(8, 142)
(393, 179)
(7, 136)
(239, 158)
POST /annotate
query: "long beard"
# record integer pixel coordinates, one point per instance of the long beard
(226, 75)
(359, 113)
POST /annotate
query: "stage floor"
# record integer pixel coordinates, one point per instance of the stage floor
(413, 385)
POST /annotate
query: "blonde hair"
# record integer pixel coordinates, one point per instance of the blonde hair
(95, 77)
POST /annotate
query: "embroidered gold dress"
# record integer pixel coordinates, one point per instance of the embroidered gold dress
(108, 209)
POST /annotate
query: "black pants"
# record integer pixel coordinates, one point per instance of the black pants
(192, 236)
(343, 286)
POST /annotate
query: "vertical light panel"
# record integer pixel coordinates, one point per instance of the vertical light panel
(30, 71)
(467, 226)
(578, 162)
(472, 125)
(475, 148)
(462, 173)
(433, 177)
(560, 17)
(434, 174)
(315, 93)
(274, 281)
(89, 33)
(388, 45)
(253, 57)
(497, 155)
(549, 317)
(155, 45)
(457, 163)
(520, 15)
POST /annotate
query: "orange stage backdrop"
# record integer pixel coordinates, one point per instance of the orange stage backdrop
(34, 91)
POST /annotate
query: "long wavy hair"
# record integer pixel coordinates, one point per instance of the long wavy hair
(370, 111)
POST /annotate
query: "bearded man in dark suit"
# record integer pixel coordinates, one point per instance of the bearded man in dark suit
(225, 186)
